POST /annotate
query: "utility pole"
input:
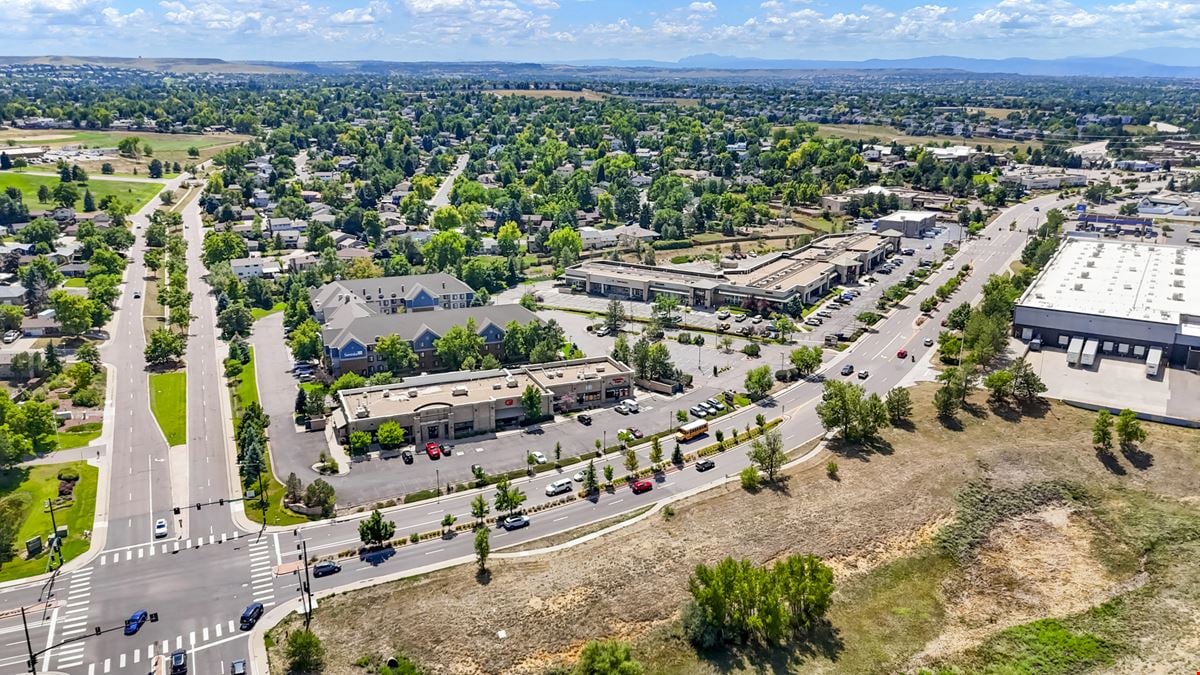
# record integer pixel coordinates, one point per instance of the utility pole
(307, 583)
(32, 663)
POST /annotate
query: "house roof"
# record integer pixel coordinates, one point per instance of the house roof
(356, 291)
(409, 326)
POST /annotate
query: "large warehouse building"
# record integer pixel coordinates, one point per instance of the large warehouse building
(1101, 297)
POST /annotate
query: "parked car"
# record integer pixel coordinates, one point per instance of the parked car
(135, 621)
(630, 405)
(11, 336)
(584, 418)
(407, 457)
(705, 464)
(514, 522)
(757, 318)
(722, 315)
(825, 314)
(714, 404)
(579, 476)
(847, 369)
(641, 485)
(538, 457)
(251, 615)
(697, 411)
(160, 528)
(433, 450)
(604, 330)
(739, 318)
(812, 321)
(902, 354)
(622, 409)
(325, 568)
(864, 374)
(636, 432)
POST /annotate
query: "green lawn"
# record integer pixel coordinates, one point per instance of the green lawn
(33, 485)
(258, 312)
(133, 194)
(75, 282)
(79, 435)
(168, 402)
(247, 387)
(167, 147)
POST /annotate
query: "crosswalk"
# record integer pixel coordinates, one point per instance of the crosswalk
(262, 572)
(75, 618)
(143, 551)
(145, 655)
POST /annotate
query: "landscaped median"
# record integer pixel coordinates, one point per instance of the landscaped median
(168, 402)
(24, 492)
(243, 393)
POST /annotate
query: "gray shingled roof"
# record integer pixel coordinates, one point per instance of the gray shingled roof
(402, 287)
(412, 324)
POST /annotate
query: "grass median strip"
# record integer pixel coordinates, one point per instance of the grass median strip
(168, 402)
(79, 435)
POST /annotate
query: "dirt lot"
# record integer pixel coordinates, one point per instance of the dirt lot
(901, 602)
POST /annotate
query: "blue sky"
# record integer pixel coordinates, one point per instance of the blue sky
(562, 30)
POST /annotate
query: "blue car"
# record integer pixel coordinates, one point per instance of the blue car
(135, 621)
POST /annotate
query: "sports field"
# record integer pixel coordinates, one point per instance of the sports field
(134, 194)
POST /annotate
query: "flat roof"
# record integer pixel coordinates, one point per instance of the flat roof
(1145, 282)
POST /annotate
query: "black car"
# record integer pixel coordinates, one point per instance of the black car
(705, 464)
(847, 369)
(324, 569)
(179, 662)
(251, 615)
(584, 418)
(407, 457)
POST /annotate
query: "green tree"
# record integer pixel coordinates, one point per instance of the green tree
(607, 657)
(360, 441)
(483, 547)
(806, 360)
(347, 381)
(1129, 429)
(446, 218)
(305, 653)
(11, 317)
(1102, 430)
(750, 478)
(39, 277)
(459, 343)
(999, 385)
(374, 530)
(758, 382)
(164, 346)
(531, 400)
(766, 453)
(590, 484)
(947, 400)
(614, 318)
(306, 342)
(396, 352)
(65, 194)
(847, 408)
(508, 498)
(508, 240)
(73, 312)
(565, 244)
(235, 320)
(390, 434)
(222, 246)
(479, 508)
(656, 452)
(36, 421)
(444, 251)
(631, 461)
(1026, 384)
(899, 405)
(89, 354)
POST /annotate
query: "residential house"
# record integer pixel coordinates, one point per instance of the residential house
(391, 295)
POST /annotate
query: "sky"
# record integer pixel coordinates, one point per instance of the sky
(567, 30)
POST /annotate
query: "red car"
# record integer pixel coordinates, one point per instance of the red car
(640, 486)
(433, 450)
(902, 354)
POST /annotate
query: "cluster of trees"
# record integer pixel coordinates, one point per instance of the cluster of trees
(25, 428)
(846, 407)
(650, 360)
(736, 602)
(318, 494)
(166, 250)
(1129, 430)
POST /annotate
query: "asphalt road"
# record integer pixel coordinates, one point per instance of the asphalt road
(200, 577)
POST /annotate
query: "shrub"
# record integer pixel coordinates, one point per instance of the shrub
(750, 478)
(751, 349)
(87, 398)
(68, 474)
(305, 654)
(831, 469)
(669, 244)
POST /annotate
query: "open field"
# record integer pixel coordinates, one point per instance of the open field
(168, 402)
(1052, 585)
(586, 94)
(79, 435)
(167, 147)
(862, 132)
(135, 194)
(32, 486)
(994, 113)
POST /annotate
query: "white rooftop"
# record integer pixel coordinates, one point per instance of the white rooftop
(1145, 282)
(904, 216)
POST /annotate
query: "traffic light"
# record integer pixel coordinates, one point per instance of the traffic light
(198, 506)
(221, 501)
(153, 617)
(176, 510)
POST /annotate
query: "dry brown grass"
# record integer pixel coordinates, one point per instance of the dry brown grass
(586, 94)
(883, 510)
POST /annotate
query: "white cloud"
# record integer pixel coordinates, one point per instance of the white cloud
(703, 7)
(543, 4)
(372, 13)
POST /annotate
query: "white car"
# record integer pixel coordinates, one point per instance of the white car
(160, 528)
(579, 476)
(538, 457)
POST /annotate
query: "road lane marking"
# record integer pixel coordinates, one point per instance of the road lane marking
(434, 551)
(204, 634)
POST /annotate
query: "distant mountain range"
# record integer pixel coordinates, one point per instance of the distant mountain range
(1150, 62)
(1175, 63)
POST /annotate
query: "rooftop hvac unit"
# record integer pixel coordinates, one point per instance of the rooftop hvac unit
(1179, 283)
(1079, 287)
(1091, 263)
(600, 369)
(1177, 296)
(361, 412)
(460, 390)
(1084, 275)
(511, 384)
(495, 386)
(560, 374)
(1178, 271)
(412, 393)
